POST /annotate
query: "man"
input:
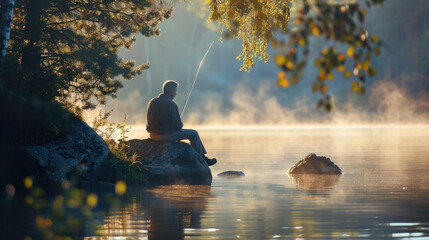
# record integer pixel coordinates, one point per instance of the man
(164, 123)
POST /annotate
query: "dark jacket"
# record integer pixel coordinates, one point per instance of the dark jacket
(163, 116)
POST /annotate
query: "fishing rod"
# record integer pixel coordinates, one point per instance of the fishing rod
(195, 79)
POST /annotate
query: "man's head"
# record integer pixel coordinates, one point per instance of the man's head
(170, 88)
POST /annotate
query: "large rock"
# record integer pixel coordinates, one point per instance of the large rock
(80, 149)
(313, 164)
(171, 163)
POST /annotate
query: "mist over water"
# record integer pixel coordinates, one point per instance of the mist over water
(386, 104)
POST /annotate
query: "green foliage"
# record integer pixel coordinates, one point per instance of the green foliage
(67, 50)
(110, 131)
(251, 21)
(340, 24)
(113, 169)
(27, 120)
(122, 163)
(257, 22)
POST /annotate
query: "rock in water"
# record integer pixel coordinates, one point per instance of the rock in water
(171, 162)
(313, 164)
(231, 174)
(80, 148)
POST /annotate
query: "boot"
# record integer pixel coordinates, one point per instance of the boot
(210, 161)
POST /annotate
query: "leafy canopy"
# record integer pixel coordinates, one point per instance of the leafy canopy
(251, 21)
(259, 22)
(68, 50)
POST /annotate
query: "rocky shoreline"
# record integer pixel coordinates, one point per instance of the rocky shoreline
(84, 153)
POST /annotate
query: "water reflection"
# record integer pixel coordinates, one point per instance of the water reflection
(174, 208)
(163, 212)
(315, 184)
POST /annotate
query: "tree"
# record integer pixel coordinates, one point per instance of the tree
(66, 51)
(6, 13)
(259, 22)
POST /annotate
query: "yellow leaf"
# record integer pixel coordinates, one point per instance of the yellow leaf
(355, 86)
(290, 65)
(281, 74)
(374, 38)
(341, 57)
(351, 51)
(359, 66)
(377, 51)
(315, 30)
(274, 44)
(120, 187)
(325, 51)
(347, 74)
(365, 65)
(341, 68)
(279, 59)
(92, 200)
(321, 75)
(301, 41)
(47, 222)
(283, 82)
(324, 88)
(317, 62)
(294, 79)
(315, 87)
(330, 76)
(28, 182)
(372, 71)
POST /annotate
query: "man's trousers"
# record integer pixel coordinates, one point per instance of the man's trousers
(190, 134)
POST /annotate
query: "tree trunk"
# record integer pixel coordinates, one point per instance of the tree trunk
(33, 33)
(6, 15)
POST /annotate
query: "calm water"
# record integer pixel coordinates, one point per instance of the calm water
(383, 193)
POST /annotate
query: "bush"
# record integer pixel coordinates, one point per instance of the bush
(122, 164)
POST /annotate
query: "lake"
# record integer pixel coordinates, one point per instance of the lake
(383, 193)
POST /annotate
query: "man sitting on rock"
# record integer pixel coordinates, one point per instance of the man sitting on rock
(164, 123)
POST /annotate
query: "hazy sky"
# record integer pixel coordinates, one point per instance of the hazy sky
(223, 95)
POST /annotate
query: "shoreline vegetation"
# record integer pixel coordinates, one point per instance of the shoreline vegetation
(121, 163)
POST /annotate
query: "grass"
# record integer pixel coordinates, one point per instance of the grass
(121, 164)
